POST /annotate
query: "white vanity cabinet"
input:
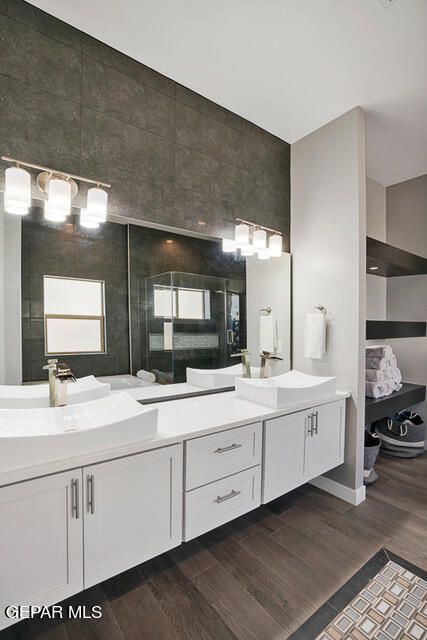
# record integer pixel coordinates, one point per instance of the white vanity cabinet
(68, 531)
(41, 541)
(65, 532)
(132, 511)
(301, 446)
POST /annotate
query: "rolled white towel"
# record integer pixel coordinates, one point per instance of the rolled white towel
(379, 351)
(375, 375)
(376, 389)
(392, 360)
(377, 363)
(385, 363)
(147, 376)
(396, 375)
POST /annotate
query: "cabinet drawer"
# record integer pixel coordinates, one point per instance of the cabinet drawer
(216, 503)
(210, 458)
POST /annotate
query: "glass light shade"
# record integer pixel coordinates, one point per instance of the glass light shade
(17, 195)
(260, 240)
(275, 246)
(228, 246)
(87, 221)
(97, 204)
(263, 254)
(58, 204)
(52, 214)
(248, 250)
(241, 235)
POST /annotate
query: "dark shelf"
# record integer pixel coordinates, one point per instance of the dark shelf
(409, 394)
(391, 261)
(380, 329)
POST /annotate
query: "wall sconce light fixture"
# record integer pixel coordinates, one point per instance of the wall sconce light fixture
(61, 188)
(251, 238)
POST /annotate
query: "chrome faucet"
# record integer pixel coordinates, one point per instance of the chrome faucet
(266, 356)
(246, 361)
(58, 375)
(51, 366)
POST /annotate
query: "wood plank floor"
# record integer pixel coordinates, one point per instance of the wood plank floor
(258, 577)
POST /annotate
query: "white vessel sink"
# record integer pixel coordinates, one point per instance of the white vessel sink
(34, 436)
(287, 389)
(37, 395)
(217, 378)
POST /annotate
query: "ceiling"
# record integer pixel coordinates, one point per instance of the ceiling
(290, 66)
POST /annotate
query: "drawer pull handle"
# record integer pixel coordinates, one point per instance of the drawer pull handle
(224, 449)
(232, 494)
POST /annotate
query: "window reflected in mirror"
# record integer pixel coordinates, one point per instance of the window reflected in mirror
(182, 303)
(74, 316)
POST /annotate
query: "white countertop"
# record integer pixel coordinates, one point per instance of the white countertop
(178, 420)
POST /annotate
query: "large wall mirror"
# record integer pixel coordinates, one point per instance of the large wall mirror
(131, 304)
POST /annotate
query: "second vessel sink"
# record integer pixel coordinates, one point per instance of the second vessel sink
(289, 388)
(37, 395)
(33, 436)
(217, 378)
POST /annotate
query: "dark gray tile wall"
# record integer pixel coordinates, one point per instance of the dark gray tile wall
(172, 156)
(70, 250)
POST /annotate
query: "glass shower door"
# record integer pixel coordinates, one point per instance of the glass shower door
(160, 309)
(192, 320)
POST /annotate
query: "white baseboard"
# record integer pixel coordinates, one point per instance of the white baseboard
(353, 496)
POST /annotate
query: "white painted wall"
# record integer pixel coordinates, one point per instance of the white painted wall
(376, 297)
(10, 299)
(376, 287)
(407, 300)
(328, 209)
(407, 297)
(268, 284)
(375, 210)
(407, 215)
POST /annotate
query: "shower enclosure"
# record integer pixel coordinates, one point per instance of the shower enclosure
(191, 320)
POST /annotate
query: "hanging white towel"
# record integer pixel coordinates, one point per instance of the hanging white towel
(267, 333)
(315, 335)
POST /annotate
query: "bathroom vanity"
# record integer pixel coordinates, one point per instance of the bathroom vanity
(70, 523)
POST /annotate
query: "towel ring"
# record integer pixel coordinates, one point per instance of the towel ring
(321, 308)
(265, 312)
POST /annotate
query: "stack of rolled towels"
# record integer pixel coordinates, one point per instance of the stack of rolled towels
(382, 373)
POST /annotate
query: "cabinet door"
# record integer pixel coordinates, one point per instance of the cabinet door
(325, 447)
(284, 454)
(133, 511)
(41, 539)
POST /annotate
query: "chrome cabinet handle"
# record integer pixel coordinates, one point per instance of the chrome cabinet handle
(310, 425)
(75, 505)
(224, 449)
(232, 494)
(316, 423)
(91, 493)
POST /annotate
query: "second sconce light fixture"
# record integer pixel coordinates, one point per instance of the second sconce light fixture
(61, 188)
(251, 239)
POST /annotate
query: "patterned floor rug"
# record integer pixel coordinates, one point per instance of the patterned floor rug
(385, 600)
